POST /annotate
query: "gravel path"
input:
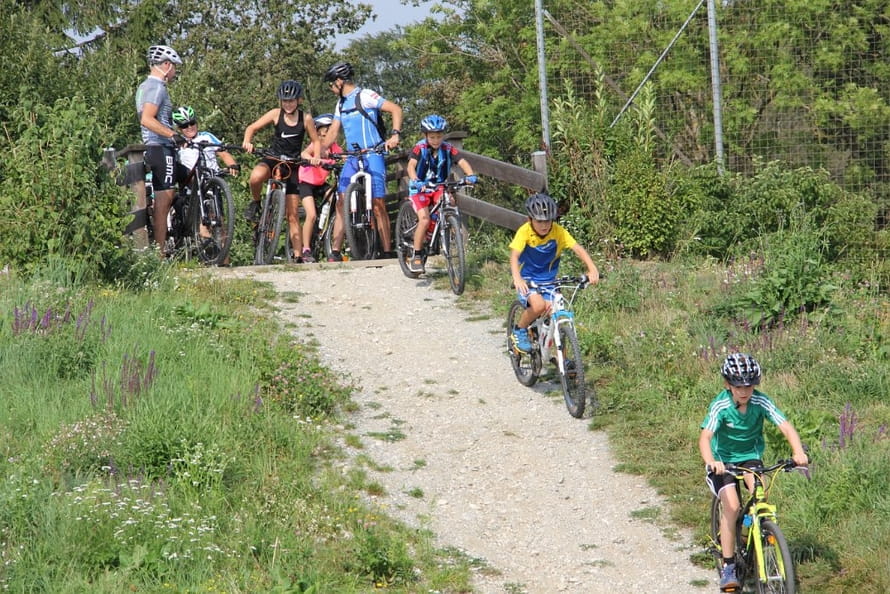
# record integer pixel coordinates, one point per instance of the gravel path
(506, 475)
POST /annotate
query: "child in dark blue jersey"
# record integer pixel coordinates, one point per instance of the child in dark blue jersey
(430, 164)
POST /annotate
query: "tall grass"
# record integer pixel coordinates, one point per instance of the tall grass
(172, 439)
(654, 336)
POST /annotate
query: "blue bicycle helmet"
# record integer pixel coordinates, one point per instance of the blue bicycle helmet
(741, 369)
(433, 123)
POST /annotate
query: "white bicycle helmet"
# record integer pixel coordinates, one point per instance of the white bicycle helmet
(158, 54)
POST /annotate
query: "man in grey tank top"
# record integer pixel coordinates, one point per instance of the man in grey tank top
(155, 109)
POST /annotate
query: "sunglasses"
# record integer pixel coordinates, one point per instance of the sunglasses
(188, 124)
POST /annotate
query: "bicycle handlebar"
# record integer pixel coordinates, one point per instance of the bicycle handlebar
(786, 465)
(203, 144)
(452, 185)
(563, 281)
(357, 151)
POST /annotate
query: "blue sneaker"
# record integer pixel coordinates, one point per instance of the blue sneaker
(520, 340)
(728, 580)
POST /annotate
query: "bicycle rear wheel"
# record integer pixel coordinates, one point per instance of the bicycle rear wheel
(572, 374)
(360, 233)
(778, 566)
(406, 223)
(455, 253)
(218, 221)
(269, 228)
(526, 366)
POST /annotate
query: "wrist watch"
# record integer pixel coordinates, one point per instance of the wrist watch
(396, 132)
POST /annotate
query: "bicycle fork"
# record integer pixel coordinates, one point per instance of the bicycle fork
(763, 511)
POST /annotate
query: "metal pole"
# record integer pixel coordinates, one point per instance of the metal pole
(542, 75)
(715, 86)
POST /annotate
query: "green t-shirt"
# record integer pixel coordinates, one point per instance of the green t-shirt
(739, 437)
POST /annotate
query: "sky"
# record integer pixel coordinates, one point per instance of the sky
(389, 14)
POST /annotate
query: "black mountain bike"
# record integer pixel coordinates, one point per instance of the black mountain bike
(445, 236)
(200, 223)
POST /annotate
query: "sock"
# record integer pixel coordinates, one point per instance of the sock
(728, 561)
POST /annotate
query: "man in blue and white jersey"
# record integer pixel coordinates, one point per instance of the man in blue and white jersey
(359, 113)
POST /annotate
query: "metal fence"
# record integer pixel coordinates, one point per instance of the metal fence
(799, 83)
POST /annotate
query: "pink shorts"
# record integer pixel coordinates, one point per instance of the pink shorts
(424, 199)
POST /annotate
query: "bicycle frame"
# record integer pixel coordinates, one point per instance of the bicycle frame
(547, 327)
(755, 514)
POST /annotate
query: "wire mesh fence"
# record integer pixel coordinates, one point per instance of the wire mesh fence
(803, 81)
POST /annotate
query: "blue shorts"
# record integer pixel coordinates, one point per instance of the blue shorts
(545, 292)
(375, 165)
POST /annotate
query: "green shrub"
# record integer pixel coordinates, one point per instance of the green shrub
(54, 197)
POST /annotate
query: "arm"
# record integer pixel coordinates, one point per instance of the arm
(797, 453)
(465, 165)
(396, 113)
(412, 169)
(704, 448)
(315, 144)
(593, 274)
(266, 119)
(331, 136)
(149, 119)
(518, 281)
(230, 162)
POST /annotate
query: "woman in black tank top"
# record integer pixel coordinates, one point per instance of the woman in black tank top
(291, 126)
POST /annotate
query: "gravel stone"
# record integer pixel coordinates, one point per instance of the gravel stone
(506, 475)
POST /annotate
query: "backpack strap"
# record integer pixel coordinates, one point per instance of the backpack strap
(378, 122)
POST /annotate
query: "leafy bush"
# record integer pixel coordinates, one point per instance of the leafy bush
(54, 198)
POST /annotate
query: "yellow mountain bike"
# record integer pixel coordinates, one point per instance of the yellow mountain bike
(762, 555)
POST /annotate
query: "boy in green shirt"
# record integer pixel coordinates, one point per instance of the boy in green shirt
(732, 433)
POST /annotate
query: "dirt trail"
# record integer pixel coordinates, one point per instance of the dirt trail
(506, 475)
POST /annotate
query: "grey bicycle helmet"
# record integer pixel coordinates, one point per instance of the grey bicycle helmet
(541, 207)
(342, 70)
(741, 369)
(323, 120)
(290, 89)
(433, 123)
(158, 54)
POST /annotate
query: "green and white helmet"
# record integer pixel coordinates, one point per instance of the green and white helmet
(183, 115)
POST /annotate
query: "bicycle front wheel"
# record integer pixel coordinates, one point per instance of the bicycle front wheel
(406, 224)
(218, 222)
(269, 228)
(777, 575)
(572, 373)
(360, 233)
(455, 253)
(526, 366)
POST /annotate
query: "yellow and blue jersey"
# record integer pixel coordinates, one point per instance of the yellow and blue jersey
(539, 256)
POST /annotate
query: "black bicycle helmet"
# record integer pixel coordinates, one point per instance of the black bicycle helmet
(339, 70)
(541, 207)
(290, 89)
(741, 369)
